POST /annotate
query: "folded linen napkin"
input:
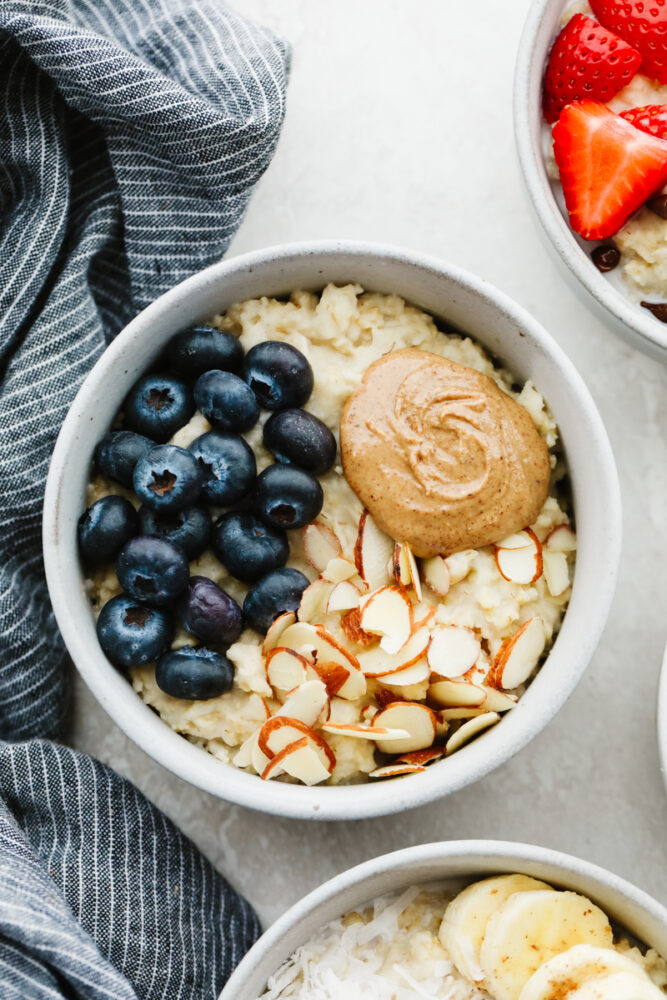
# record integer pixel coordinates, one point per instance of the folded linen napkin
(133, 132)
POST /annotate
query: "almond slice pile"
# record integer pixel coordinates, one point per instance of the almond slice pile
(366, 635)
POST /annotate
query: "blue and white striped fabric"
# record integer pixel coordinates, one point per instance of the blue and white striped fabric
(132, 133)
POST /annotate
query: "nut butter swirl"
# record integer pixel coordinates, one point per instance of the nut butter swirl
(440, 455)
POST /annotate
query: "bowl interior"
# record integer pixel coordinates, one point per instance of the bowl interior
(629, 320)
(459, 301)
(452, 864)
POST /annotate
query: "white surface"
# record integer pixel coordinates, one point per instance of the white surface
(399, 129)
(466, 303)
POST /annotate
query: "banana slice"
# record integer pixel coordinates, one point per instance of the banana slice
(464, 923)
(618, 986)
(529, 929)
(565, 973)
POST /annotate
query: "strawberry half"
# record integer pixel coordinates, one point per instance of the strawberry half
(652, 118)
(586, 61)
(641, 23)
(608, 168)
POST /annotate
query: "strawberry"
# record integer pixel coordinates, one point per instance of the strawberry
(652, 118)
(608, 168)
(642, 23)
(586, 61)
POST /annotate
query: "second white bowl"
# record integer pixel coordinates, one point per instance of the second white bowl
(460, 301)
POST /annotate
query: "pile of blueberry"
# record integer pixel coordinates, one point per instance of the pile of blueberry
(180, 489)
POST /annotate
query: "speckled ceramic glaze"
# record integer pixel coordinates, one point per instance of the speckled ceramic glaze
(462, 301)
(635, 325)
(456, 859)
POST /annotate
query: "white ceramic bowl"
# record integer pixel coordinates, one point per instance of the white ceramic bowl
(452, 860)
(464, 302)
(661, 720)
(635, 325)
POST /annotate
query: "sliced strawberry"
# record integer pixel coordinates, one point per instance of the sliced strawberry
(641, 23)
(586, 61)
(652, 118)
(608, 168)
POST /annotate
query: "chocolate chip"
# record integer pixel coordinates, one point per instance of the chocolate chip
(605, 258)
(658, 205)
(659, 310)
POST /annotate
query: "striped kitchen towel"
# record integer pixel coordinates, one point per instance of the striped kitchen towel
(132, 135)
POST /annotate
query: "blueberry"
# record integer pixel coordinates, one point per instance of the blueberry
(202, 348)
(278, 374)
(168, 478)
(118, 452)
(248, 547)
(152, 570)
(158, 405)
(285, 497)
(104, 528)
(229, 466)
(276, 592)
(298, 438)
(194, 673)
(189, 528)
(131, 633)
(210, 613)
(226, 401)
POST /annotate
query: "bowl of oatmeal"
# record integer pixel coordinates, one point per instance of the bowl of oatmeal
(470, 920)
(608, 230)
(332, 530)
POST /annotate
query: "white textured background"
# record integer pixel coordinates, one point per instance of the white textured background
(399, 129)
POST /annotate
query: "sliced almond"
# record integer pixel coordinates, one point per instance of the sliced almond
(518, 656)
(418, 720)
(278, 732)
(320, 544)
(401, 566)
(353, 630)
(395, 770)
(313, 603)
(276, 629)
(498, 701)
(417, 673)
(360, 732)
(309, 703)
(556, 572)
(285, 669)
(437, 575)
(333, 676)
(377, 662)
(469, 729)
(561, 539)
(338, 570)
(243, 756)
(414, 572)
(373, 552)
(421, 756)
(520, 563)
(454, 714)
(343, 597)
(453, 650)
(316, 643)
(387, 612)
(457, 694)
(300, 761)
(422, 613)
(258, 758)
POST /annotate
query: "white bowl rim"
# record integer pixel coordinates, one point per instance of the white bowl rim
(367, 799)
(512, 856)
(642, 329)
(661, 719)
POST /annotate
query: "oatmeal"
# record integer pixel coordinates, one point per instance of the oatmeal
(381, 662)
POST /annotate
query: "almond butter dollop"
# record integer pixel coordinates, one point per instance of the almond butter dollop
(440, 455)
